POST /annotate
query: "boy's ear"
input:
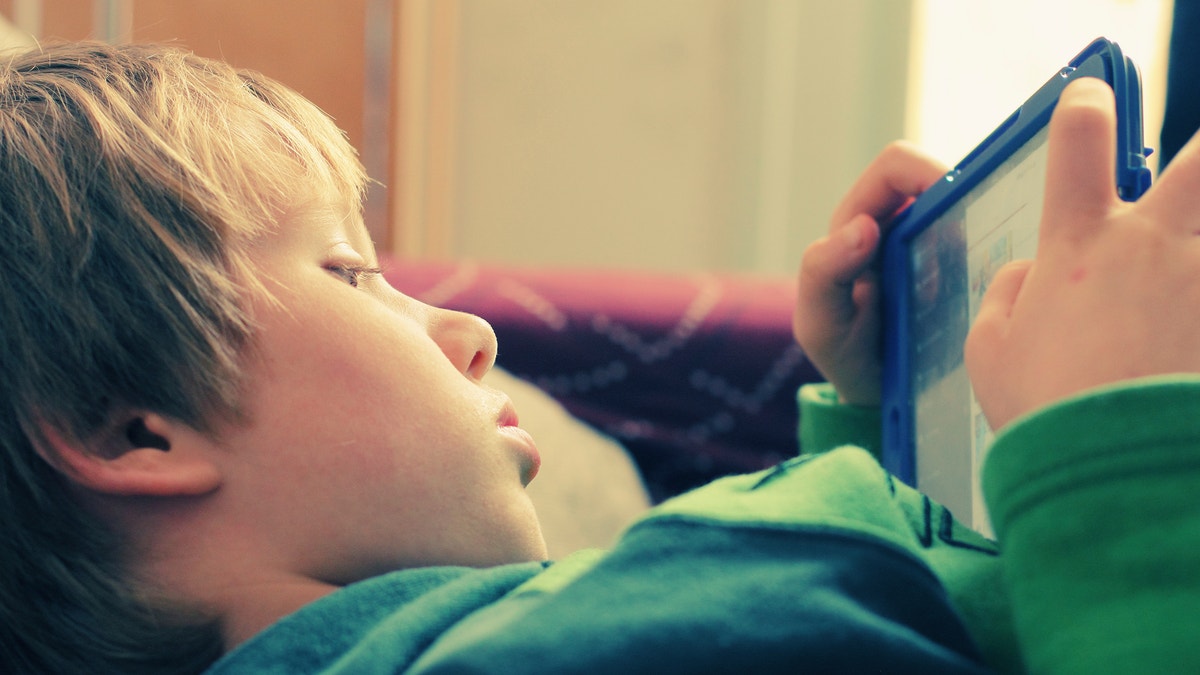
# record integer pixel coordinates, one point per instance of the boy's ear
(142, 454)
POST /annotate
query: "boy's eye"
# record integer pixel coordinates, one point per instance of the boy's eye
(353, 274)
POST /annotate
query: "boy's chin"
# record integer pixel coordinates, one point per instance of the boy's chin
(532, 549)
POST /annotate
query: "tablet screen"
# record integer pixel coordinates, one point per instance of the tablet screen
(952, 261)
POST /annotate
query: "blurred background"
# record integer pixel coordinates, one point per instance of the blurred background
(644, 134)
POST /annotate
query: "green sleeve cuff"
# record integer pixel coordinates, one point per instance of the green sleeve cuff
(826, 424)
(1096, 501)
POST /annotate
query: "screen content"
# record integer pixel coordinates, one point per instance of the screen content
(953, 261)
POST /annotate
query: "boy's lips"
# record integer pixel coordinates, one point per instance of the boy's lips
(508, 416)
(508, 425)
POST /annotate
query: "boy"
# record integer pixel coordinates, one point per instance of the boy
(187, 272)
(228, 445)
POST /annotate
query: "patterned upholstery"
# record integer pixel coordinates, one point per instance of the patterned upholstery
(695, 374)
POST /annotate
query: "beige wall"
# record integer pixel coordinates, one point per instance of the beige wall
(325, 50)
(663, 134)
(1029, 40)
(673, 134)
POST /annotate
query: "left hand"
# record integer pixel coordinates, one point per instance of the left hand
(837, 318)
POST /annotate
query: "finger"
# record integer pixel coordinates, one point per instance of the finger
(1175, 198)
(895, 176)
(832, 263)
(828, 272)
(840, 256)
(1080, 187)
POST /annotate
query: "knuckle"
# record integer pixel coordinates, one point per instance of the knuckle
(898, 149)
(814, 258)
(909, 168)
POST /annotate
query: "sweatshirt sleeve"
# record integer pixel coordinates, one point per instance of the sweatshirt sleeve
(1096, 502)
(826, 424)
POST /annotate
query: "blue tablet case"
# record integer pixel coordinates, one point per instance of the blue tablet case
(937, 259)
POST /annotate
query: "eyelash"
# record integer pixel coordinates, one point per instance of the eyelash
(354, 274)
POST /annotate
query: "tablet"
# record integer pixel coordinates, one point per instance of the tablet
(937, 259)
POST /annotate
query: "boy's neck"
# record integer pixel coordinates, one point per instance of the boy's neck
(249, 609)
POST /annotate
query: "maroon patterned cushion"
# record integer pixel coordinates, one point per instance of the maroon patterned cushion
(695, 374)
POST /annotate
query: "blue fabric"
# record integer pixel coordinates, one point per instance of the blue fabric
(816, 565)
(1181, 117)
(380, 625)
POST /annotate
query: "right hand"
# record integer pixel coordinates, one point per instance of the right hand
(837, 317)
(1114, 291)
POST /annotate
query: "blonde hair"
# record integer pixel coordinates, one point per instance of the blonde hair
(132, 181)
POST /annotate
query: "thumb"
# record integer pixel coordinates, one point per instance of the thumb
(982, 352)
(994, 309)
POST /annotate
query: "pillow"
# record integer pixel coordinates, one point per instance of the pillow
(588, 488)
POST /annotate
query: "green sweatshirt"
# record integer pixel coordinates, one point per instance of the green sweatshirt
(826, 564)
(1096, 501)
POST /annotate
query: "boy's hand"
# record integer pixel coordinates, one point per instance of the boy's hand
(1114, 293)
(837, 314)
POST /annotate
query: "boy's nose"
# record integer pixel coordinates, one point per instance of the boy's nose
(467, 340)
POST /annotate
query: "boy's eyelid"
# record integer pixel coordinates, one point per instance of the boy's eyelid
(356, 274)
(343, 253)
(369, 273)
(374, 271)
(346, 260)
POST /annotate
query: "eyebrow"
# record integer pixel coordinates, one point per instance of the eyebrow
(324, 216)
